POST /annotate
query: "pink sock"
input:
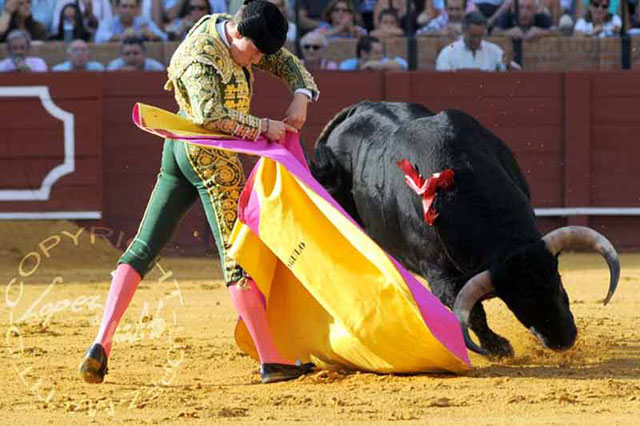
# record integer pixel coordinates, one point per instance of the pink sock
(123, 285)
(248, 303)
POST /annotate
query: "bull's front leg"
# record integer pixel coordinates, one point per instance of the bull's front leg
(497, 345)
(445, 283)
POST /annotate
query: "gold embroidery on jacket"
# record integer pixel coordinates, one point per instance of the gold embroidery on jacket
(288, 68)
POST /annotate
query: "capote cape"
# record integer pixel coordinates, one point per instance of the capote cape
(333, 296)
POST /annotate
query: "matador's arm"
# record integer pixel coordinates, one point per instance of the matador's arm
(201, 84)
(288, 68)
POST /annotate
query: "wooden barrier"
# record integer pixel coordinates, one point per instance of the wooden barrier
(574, 135)
(34, 145)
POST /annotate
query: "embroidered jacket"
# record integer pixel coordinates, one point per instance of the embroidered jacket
(214, 91)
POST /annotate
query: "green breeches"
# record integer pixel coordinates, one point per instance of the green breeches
(188, 172)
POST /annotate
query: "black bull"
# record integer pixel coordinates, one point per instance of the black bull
(484, 243)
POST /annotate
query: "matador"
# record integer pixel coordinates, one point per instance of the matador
(211, 76)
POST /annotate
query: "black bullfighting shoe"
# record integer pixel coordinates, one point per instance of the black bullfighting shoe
(94, 364)
(272, 373)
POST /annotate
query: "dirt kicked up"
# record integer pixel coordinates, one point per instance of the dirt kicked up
(175, 361)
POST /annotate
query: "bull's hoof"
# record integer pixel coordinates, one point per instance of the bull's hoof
(499, 347)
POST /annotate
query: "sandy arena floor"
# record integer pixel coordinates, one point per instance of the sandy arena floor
(175, 361)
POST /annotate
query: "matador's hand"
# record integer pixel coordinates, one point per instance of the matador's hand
(275, 130)
(297, 111)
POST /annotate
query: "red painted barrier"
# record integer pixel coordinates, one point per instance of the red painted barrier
(574, 135)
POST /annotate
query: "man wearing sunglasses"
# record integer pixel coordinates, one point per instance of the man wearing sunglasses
(313, 50)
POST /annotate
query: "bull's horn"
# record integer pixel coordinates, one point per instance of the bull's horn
(580, 236)
(477, 288)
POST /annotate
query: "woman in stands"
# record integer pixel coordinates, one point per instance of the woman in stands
(70, 25)
(342, 20)
(16, 15)
(388, 25)
(598, 22)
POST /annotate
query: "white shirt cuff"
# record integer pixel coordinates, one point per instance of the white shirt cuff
(305, 92)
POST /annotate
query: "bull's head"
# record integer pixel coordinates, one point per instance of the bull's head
(529, 283)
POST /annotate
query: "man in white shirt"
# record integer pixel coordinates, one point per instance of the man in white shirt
(471, 52)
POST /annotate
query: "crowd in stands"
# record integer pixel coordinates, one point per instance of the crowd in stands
(82, 23)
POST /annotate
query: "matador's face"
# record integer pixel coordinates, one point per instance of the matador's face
(243, 51)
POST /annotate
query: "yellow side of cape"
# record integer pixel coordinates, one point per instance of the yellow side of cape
(333, 296)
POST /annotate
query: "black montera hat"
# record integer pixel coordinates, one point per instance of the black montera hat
(263, 23)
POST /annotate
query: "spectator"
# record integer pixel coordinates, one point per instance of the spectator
(16, 15)
(449, 22)
(127, 23)
(553, 8)
(582, 7)
(598, 22)
(133, 58)
(93, 11)
(173, 9)
(194, 10)
(19, 47)
(71, 25)
(291, 32)
(370, 56)
(42, 11)
(314, 46)
(490, 9)
(311, 14)
(471, 52)
(432, 10)
(341, 20)
(532, 24)
(388, 25)
(399, 5)
(78, 54)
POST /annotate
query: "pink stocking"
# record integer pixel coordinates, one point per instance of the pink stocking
(248, 302)
(123, 285)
